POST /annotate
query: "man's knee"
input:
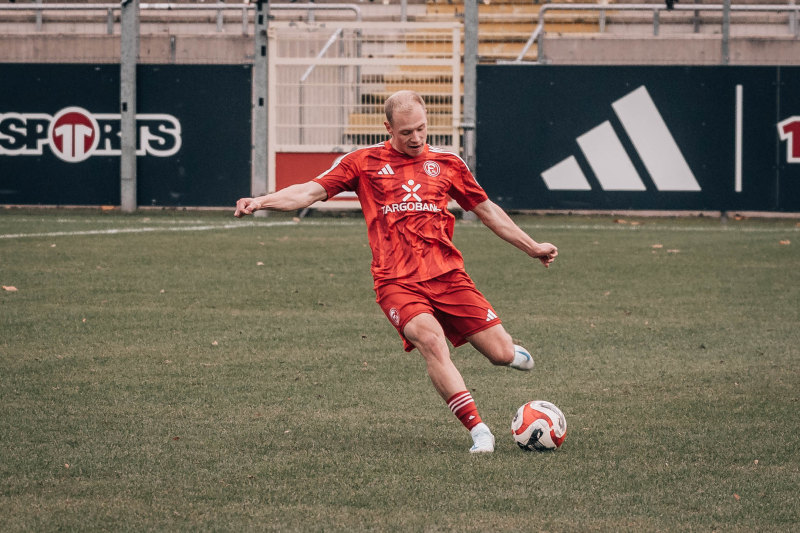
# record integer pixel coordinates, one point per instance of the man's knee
(427, 336)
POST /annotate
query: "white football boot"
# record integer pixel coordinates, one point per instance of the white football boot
(522, 359)
(482, 438)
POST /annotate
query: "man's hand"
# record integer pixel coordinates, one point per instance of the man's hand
(246, 206)
(545, 252)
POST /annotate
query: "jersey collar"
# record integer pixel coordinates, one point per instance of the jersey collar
(388, 145)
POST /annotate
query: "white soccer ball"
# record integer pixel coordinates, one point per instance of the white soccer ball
(539, 426)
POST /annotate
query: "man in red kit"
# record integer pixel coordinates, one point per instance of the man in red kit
(404, 185)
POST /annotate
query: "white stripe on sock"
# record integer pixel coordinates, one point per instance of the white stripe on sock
(457, 408)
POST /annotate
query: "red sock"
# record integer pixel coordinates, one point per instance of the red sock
(463, 406)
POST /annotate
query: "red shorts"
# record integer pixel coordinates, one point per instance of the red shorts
(451, 298)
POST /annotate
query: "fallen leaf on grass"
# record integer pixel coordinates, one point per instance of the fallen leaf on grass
(590, 325)
(162, 291)
(736, 496)
(673, 251)
(738, 217)
(635, 223)
(756, 461)
(606, 293)
(66, 465)
(215, 343)
(10, 288)
(52, 246)
(798, 224)
(167, 362)
(287, 431)
(176, 438)
(84, 320)
(658, 246)
(295, 219)
(260, 264)
(786, 242)
(106, 207)
(620, 221)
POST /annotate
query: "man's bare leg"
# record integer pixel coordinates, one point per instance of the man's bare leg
(426, 334)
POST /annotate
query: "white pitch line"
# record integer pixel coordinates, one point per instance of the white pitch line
(148, 230)
(720, 229)
(344, 223)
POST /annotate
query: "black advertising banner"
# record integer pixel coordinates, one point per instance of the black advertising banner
(214, 105)
(60, 144)
(673, 138)
(788, 157)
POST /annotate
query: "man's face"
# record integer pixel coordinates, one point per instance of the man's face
(409, 131)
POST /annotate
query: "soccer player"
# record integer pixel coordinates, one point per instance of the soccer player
(404, 185)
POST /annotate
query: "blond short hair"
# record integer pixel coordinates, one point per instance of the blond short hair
(402, 101)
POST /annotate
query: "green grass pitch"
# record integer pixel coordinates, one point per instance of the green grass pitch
(192, 372)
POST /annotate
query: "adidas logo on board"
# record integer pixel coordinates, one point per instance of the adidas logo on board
(610, 162)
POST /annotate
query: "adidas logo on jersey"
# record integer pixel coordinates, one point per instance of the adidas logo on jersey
(386, 171)
(490, 316)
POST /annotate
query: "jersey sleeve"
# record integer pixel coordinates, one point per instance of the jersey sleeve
(342, 176)
(465, 190)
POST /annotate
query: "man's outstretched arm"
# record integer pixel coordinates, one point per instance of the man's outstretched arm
(494, 218)
(289, 199)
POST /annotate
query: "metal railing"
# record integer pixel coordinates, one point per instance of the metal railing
(538, 34)
(219, 7)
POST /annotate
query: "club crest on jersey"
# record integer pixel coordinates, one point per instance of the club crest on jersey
(431, 168)
(395, 316)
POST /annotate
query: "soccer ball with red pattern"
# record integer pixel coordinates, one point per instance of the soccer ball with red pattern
(539, 426)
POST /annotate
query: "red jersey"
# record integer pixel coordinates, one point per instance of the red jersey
(404, 200)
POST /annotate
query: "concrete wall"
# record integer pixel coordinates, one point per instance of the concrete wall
(669, 50)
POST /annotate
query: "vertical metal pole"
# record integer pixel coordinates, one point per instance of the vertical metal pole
(655, 22)
(697, 18)
(470, 79)
(244, 21)
(470, 86)
(342, 96)
(311, 12)
(403, 10)
(726, 31)
(110, 21)
(220, 20)
(272, 118)
(258, 182)
(603, 17)
(129, 56)
(38, 16)
(301, 100)
(793, 27)
(456, 92)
